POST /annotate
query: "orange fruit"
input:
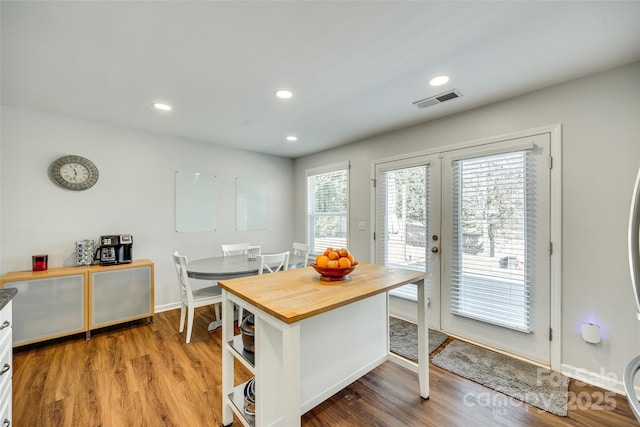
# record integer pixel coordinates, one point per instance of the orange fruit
(344, 252)
(351, 260)
(333, 263)
(344, 262)
(322, 260)
(333, 255)
(328, 250)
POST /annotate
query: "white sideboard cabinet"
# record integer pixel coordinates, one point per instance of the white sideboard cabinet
(69, 300)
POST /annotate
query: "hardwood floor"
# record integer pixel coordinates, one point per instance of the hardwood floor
(139, 375)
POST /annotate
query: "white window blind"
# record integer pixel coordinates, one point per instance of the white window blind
(494, 218)
(402, 208)
(328, 207)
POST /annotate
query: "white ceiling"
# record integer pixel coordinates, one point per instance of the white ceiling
(355, 67)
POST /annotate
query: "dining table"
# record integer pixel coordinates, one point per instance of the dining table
(229, 267)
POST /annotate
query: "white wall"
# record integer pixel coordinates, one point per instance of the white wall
(134, 194)
(600, 117)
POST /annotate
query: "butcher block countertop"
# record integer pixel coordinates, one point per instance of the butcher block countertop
(297, 294)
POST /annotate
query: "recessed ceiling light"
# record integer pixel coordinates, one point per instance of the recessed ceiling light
(283, 93)
(292, 138)
(161, 106)
(439, 80)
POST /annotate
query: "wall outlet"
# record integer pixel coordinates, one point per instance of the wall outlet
(362, 226)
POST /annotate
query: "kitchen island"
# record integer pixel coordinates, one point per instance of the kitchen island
(312, 338)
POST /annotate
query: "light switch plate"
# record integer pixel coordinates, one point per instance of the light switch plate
(362, 226)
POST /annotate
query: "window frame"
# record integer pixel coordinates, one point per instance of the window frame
(309, 216)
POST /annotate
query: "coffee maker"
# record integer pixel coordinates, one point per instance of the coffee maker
(115, 249)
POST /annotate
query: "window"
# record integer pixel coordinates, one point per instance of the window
(402, 210)
(328, 207)
(494, 214)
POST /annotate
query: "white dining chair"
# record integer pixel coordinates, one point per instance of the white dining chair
(272, 263)
(235, 249)
(269, 263)
(301, 249)
(191, 299)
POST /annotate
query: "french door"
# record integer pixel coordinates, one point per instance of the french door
(496, 268)
(407, 221)
(484, 237)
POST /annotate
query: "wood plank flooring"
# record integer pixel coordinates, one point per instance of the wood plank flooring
(138, 375)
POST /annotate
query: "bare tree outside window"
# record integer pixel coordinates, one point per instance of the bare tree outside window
(493, 201)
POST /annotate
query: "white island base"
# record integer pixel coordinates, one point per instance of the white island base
(300, 364)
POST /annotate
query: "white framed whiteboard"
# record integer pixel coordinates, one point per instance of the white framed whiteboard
(251, 204)
(196, 202)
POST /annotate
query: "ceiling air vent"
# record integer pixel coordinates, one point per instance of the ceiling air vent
(438, 99)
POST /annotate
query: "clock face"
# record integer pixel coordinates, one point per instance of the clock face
(74, 173)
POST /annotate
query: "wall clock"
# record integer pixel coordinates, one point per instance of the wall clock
(74, 172)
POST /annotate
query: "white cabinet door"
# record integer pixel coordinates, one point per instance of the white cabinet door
(46, 308)
(120, 295)
(6, 364)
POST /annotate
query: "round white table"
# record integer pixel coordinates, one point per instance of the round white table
(229, 267)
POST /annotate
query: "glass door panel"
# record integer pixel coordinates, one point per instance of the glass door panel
(407, 228)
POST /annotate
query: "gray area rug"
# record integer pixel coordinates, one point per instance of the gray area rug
(524, 381)
(404, 338)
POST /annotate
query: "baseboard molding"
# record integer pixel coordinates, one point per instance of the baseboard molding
(166, 307)
(597, 379)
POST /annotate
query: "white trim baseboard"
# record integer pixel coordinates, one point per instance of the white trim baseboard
(598, 379)
(166, 307)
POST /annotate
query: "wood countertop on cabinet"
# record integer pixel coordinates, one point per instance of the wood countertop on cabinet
(14, 276)
(297, 294)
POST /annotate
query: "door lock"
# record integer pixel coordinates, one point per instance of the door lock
(434, 249)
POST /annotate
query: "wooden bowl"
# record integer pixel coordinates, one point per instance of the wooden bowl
(334, 273)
